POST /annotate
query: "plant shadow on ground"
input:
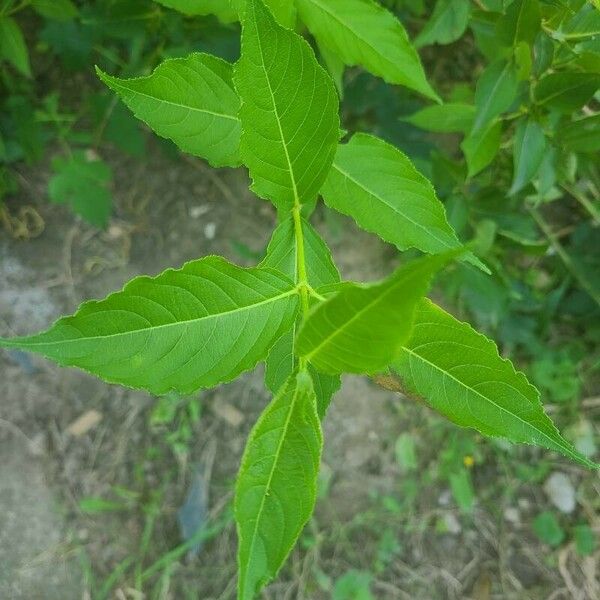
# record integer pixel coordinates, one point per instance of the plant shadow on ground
(409, 506)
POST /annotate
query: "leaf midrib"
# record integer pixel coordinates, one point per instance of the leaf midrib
(114, 81)
(24, 343)
(490, 401)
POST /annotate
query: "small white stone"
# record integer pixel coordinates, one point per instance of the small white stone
(197, 211)
(452, 523)
(560, 492)
(511, 514)
(210, 230)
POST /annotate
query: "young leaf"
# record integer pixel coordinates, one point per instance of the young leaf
(276, 486)
(191, 101)
(529, 150)
(447, 23)
(444, 118)
(59, 10)
(183, 330)
(363, 327)
(566, 92)
(363, 33)
(521, 22)
(495, 92)
(378, 186)
(84, 185)
(12, 46)
(461, 375)
(320, 270)
(481, 147)
(289, 111)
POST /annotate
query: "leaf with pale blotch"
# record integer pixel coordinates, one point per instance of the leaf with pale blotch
(289, 111)
(276, 486)
(363, 327)
(460, 374)
(378, 186)
(363, 33)
(320, 271)
(191, 101)
(183, 330)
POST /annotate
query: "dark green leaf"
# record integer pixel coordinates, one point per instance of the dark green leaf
(447, 23)
(444, 118)
(521, 23)
(566, 92)
(480, 148)
(582, 135)
(59, 10)
(12, 46)
(529, 148)
(548, 529)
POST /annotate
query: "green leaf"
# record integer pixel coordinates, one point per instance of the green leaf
(529, 149)
(289, 111)
(481, 147)
(566, 92)
(183, 330)
(377, 185)
(191, 101)
(459, 373)
(277, 483)
(363, 327)
(320, 271)
(462, 490)
(496, 91)
(548, 529)
(444, 118)
(585, 540)
(363, 33)
(447, 23)
(223, 9)
(12, 46)
(59, 10)
(582, 135)
(335, 67)
(521, 23)
(84, 185)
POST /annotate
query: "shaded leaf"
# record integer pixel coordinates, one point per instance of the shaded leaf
(183, 330)
(447, 23)
(444, 118)
(529, 148)
(277, 483)
(496, 91)
(12, 46)
(190, 101)
(521, 22)
(363, 33)
(566, 92)
(582, 135)
(459, 373)
(481, 147)
(59, 10)
(289, 111)
(84, 185)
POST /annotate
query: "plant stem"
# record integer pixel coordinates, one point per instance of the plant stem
(302, 279)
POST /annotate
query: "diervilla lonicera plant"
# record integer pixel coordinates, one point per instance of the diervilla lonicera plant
(276, 112)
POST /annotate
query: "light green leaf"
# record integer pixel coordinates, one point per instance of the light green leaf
(320, 271)
(496, 91)
(183, 330)
(191, 101)
(521, 23)
(481, 147)
(461, 375)
(447, 23)
(84, 185)
(529, 150)
(444, 118)
(289, 111)
(363, 327)
(223, 9)
(12, 46)
(335, 67)
(566, 92)
(363, 33)
(377, 185)
(59, 10)
(277, 483)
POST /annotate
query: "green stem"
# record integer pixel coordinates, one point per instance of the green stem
(302, 278)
